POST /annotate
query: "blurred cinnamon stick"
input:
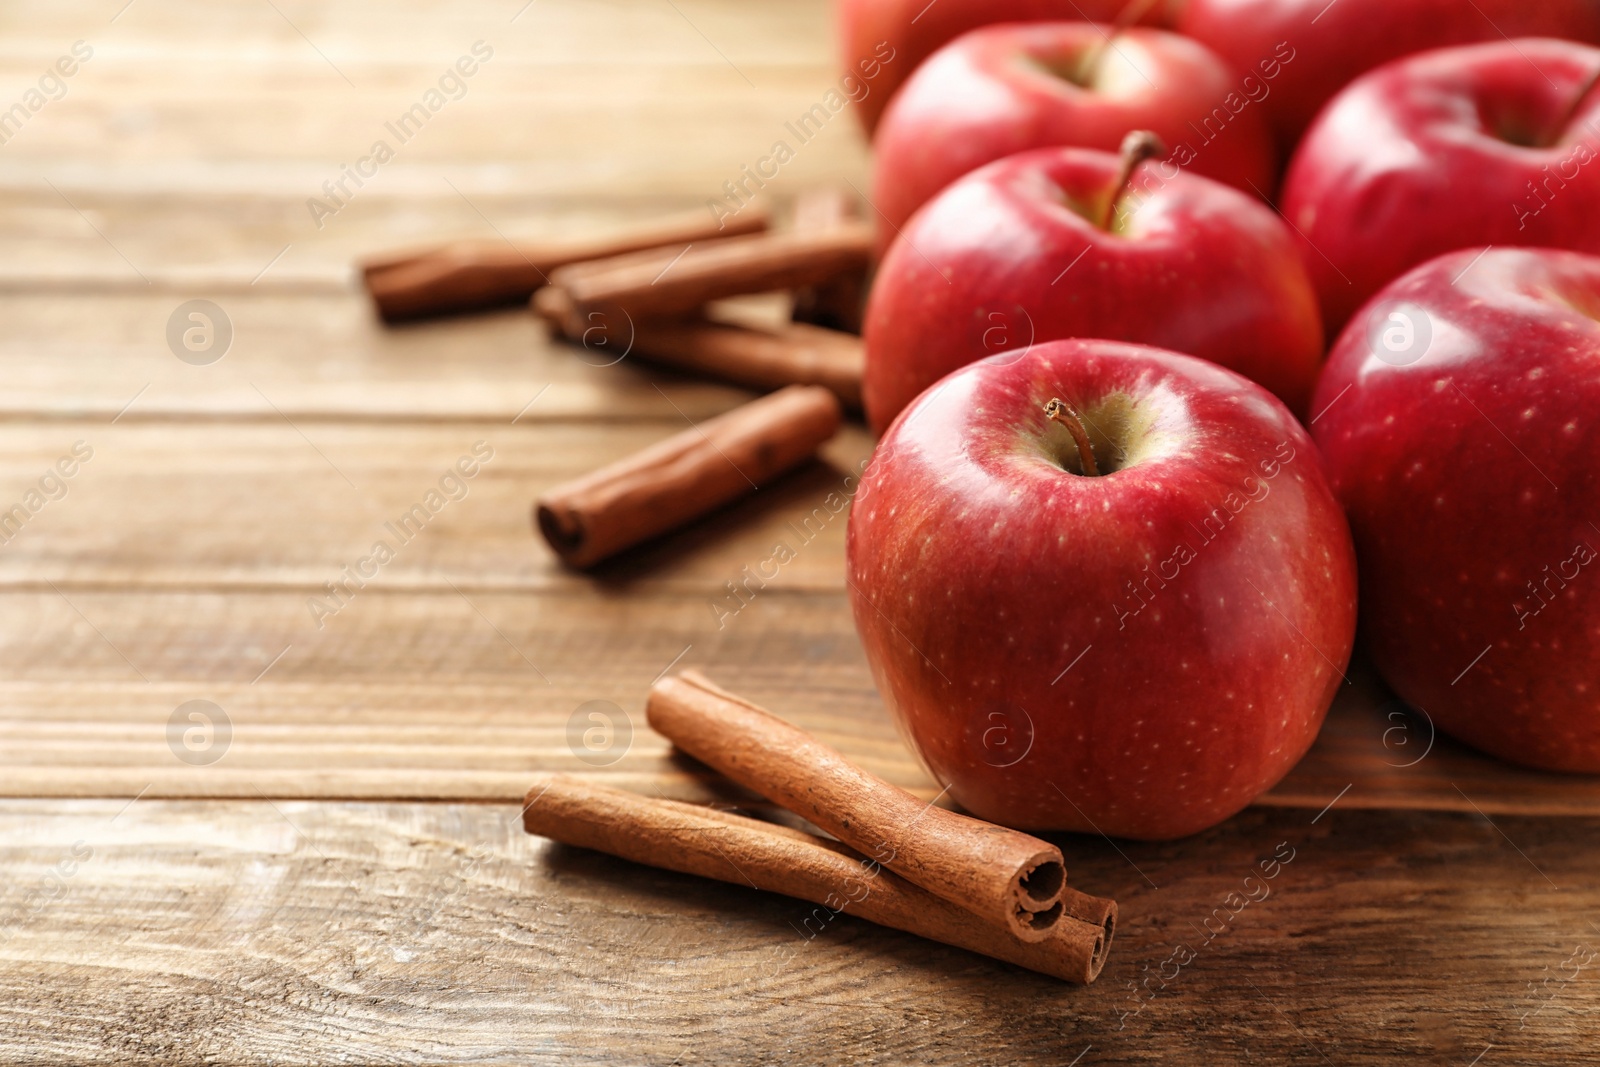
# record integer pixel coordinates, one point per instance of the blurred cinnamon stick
(794, 354)
(467, 275)
(669, 282)
(758, 358)
(837, 303)
(1011, 879)
(743, 851)
(685, 476)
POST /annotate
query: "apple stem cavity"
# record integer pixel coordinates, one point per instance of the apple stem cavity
(1137, 146)
(1131, 13)
(1059, 410)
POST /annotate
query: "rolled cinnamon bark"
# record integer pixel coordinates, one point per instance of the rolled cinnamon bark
(761, 359)
(685, 476)
(732, 848)
(835, 304)
(671, 282)
(1010, 878)
(467, 275)
(1096, 911)
(553, 307)
(796, 354)
(1100, 912)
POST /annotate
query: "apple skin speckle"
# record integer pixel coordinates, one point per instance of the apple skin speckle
(1476, 604)
(1164, 687)
(1386, 150)
(998, 260)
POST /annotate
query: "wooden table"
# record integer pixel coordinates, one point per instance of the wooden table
(322, 860)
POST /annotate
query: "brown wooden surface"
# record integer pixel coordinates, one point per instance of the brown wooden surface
(292, 932)
(357, 888)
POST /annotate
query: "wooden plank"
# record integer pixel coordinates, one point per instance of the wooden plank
(264, 925)
(214, 241)
(296, 932)
(307, 356)
(157, 228)
(1374, 752)
(194, 551)
(453, 694)
(356, 708)
(184, 153)
(375, 31)
(283, 502)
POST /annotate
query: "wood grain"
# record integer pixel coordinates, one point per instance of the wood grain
(443, 694)
(310, 911)
(319, 357)
(448, 694)
(291, 931)
(193, 139)
(284, 502)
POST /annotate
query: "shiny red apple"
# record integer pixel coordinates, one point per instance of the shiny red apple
(1298, 53)
(1491, 144)
(1007, 89)
(1061, 243)
(1458, 417)
(890, 38)
(1140, 651)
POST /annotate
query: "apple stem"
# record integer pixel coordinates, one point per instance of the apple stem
(1131, 13)
(1060, 411)
(1137, 146)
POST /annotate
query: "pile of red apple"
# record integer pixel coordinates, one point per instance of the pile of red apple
(1183, 321)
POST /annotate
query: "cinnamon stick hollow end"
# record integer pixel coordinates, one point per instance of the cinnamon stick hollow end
(1101, 912)
(1036, 890)
(563, 528)
(686, 476)
(552, 306)
(1011, 879)
(1083, 944)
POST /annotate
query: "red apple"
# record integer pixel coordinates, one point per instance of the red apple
(890, 38)
(1006, 89)
(1488, 144)
(1140, 652)
(1020, 251)
(1299, 53)
(1457, 416)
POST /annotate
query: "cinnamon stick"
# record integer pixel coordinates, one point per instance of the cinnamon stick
(1012, 879)
(466, 275)
(685, 476)
(553, 306)
(760, 359)
(1100, 912)
(795, 354)
(836, 303)
(671, 282)
(1096, 911)
(743, 851)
